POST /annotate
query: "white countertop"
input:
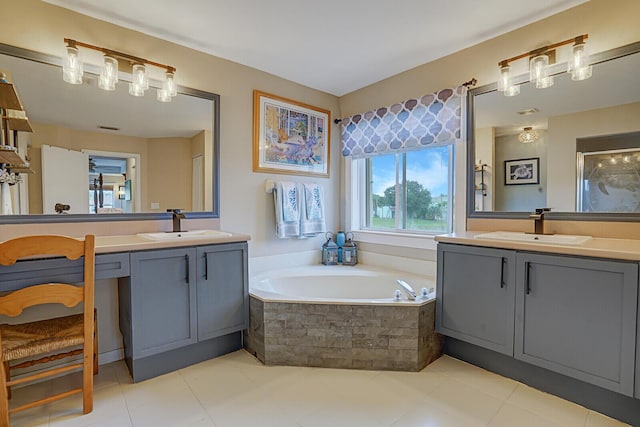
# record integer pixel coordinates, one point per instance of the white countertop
(626, 249)
(133, 242)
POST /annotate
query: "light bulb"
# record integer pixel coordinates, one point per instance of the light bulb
(72, 69)
(109, 74)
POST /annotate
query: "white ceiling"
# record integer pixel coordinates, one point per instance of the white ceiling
(336, 46)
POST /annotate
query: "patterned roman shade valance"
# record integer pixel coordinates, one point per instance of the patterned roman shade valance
(434, 119)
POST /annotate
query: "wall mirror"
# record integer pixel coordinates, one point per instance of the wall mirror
(582, 159)
(144, 156)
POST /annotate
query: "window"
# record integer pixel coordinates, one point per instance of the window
(409, 192)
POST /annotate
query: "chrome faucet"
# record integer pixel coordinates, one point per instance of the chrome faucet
(408, 290)
(538, 220)
(177, 216)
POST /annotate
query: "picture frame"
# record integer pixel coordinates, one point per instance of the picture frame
(522, 171)
(290, 137)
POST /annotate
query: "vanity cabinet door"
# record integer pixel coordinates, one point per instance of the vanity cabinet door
(223, 305)
(475, 295)
(163, 300)
(577, 316)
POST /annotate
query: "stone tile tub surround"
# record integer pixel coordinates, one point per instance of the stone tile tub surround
(327, 330)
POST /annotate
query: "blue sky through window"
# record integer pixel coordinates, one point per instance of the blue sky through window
(429, 167)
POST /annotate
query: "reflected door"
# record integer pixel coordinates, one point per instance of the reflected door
(65, 174)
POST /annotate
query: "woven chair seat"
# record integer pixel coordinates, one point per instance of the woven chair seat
(34, 338)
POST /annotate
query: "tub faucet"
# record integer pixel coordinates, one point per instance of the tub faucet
(408, 290)
(538, 220)
(177, 216)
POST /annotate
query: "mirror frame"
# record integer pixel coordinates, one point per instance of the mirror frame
(608, 55)
(52, 218)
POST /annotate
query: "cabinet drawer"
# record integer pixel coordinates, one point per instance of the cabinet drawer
(30, 272)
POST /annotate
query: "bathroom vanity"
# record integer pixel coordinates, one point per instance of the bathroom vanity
(572, 310)
(180, 301)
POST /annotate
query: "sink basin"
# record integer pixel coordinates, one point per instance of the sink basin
(184, 235)
(547, 239)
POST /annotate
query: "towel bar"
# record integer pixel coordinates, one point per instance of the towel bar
(269, 185)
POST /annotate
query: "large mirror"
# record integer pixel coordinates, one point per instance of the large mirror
(96, 155)
(581, 156)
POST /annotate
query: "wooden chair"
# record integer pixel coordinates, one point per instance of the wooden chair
(37, 340)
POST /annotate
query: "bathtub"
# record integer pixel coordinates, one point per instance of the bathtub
(341, 317)
(338, 284)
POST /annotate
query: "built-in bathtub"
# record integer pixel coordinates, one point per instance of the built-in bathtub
(341, 317)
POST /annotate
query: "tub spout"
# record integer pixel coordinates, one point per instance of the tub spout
(408, 290)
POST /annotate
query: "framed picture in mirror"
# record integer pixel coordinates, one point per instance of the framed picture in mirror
(522, 171)
(289, 137)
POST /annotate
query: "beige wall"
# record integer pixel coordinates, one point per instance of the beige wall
(169, 174)
(245, 207)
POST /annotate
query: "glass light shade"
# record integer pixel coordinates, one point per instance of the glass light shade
(539, 71)
(169, 84)
(512, 91)
(109, 74)
(528, 135)
(72, 69)
(140, 78)
(135, 90)
(164, 95)
(504, 82)
(579, 67)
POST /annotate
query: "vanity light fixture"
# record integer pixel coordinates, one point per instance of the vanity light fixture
(72, 71)
(528, 135)
(539, 61)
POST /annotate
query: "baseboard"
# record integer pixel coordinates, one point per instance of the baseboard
(110, 356)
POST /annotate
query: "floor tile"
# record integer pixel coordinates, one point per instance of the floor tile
(465, 401)
(431, 414)
(511, 415)
(548, 406)
(595, 419)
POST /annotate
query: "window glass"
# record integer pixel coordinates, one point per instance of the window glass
(410, 191)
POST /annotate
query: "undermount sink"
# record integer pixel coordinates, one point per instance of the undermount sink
(548, 239)
(184, 235)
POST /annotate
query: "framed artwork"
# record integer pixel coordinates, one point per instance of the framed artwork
(290, 137)
(522, 171)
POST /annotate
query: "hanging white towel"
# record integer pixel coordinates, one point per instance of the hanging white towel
(287, 208)
(312, 220)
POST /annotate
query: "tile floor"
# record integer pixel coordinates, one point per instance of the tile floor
(236, 390)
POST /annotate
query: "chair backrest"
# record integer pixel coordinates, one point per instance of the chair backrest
(31, 246)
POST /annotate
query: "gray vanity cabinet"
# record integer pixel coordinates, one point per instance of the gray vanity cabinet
(183, 305)
(160, 300)
(222, 289)
(476, 295)
(577, 316)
